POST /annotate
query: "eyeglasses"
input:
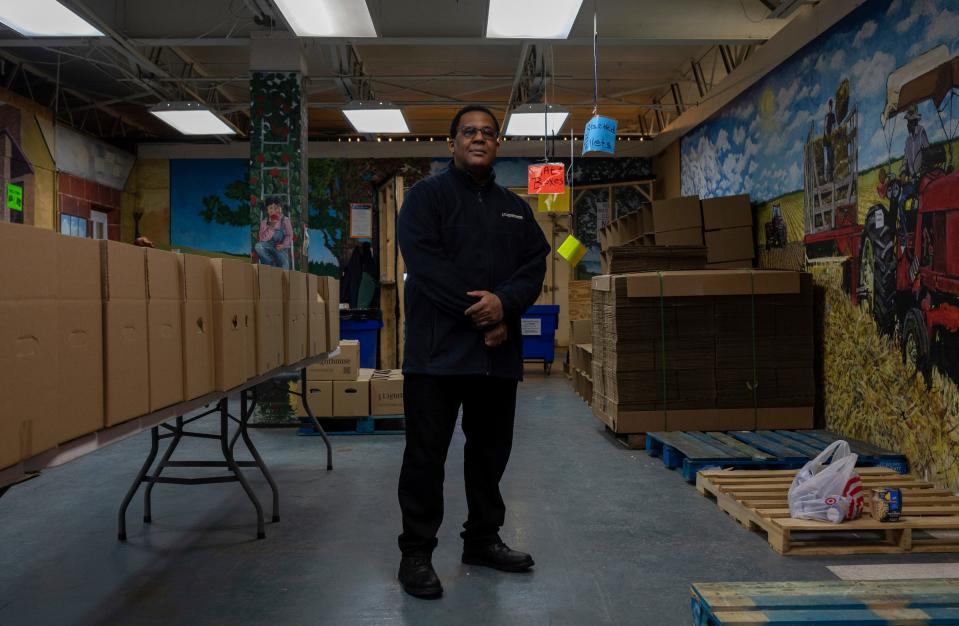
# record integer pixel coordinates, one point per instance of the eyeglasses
(470, 131)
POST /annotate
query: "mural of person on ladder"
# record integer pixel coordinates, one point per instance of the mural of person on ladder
(275, 238)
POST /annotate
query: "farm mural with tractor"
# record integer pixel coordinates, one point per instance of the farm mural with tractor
(848, 150)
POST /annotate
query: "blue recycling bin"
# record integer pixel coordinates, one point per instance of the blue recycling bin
(366, 330)
(539, 326)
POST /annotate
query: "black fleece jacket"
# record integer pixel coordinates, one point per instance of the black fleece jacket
(457, 236)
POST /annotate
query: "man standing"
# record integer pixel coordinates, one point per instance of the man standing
(475, 260)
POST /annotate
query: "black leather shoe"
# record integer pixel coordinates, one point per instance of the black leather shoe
(419, 578)
(498, 556)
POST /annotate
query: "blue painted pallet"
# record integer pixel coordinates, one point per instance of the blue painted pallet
(826, 603)
(372, 425)
(692, 451)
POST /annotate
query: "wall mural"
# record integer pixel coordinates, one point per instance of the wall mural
(209, 200)
(849, 150)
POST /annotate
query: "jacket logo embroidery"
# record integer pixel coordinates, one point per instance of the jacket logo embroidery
(513, 215)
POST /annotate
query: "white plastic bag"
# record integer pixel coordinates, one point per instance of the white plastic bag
(828, 492)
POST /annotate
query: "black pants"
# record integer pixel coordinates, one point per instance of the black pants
(432, 404)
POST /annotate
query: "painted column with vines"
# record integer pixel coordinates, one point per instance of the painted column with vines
(278, 157)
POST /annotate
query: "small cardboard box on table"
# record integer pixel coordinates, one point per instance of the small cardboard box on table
(80, 337)
(269, 318)
(28, 340)
(165, 328)
(198, 344)
(295, 321)
(316, 314)
(234, 339)
(125, 332)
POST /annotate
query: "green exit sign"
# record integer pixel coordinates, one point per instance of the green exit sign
(14, 197)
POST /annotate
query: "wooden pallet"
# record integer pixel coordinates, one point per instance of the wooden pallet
(757, 499)
(373, 425)
(839, 602)
(692, 451)
(630, 441)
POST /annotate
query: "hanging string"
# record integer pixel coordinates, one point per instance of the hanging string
(595, 64)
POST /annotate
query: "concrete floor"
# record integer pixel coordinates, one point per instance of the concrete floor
(617, 538)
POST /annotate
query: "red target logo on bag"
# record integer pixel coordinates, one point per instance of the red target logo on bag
(853, 491)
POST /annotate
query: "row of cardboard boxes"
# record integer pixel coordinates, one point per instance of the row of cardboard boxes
(95, 333)
(724, 225)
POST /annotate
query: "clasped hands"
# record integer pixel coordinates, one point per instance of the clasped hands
(488, 311)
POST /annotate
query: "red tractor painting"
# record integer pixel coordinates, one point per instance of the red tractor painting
(909, 252)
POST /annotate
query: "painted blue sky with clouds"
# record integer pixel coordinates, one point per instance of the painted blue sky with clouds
(755, 144)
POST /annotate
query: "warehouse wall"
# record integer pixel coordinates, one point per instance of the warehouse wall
(667, 171)
(770, 142)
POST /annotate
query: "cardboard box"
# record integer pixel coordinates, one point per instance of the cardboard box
(676, 214)
(80, 338)
(351, 398)
(197, 322)
(234, 339)
(320, 397)
(729, 265)
(316, 317)
(294, 317)
(683, 237)
(345, 366)
(580, 331)
(126, 356)
(730, 244)
(28, 340)
(785, 418)
(164, 328)
(386, 392)
(727, 212)
(330, 292)
(270, 346)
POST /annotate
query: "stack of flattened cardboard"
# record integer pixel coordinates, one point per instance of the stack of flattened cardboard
(634, 258)
(581, 358)
(386, 392)
(678, 222)
(703, 350)
(728, 222)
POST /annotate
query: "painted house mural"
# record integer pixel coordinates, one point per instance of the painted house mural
(848, 150)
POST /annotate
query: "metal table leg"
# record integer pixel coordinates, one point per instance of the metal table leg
(232, 464)
(304, 395)
(122, 516)
(152, 480)
(246, 411)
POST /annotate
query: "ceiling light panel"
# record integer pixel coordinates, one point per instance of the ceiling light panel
(192, 119)
(44, 18)
(377, 120)
(531, 19)
(530, 122)
(328, 18)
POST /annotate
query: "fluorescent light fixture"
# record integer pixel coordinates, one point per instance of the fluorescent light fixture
(536, 120)
(328, 18)
(531, 19)
(191, 118)
(376, 118)
(44, 18)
